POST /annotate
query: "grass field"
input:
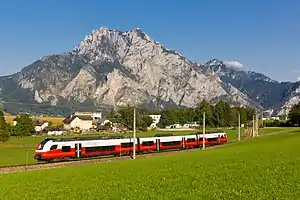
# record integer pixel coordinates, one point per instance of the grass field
(54, 120)
(263, 168)
(21, 150)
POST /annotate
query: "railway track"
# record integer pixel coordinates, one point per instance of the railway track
(41, 166)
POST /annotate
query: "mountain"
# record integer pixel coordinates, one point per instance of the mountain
(112, 68)
(273, 95)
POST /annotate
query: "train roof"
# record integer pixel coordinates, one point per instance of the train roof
(69, 139)
(84, 138)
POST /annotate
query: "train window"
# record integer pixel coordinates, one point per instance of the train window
(211, 139)
(44, 142)
(127, 145)
(99, 149)
(148, 143)
(53, 147)
(66, 149)
(191, 140)
(173, 143)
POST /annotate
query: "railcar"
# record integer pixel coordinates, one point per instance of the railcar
(56, 149)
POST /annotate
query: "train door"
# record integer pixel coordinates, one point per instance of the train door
(78, 149)
(157, 144)
(138, 145)
(183, 142)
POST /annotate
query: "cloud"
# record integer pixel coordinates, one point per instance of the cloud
(298, 78)
(234, 64)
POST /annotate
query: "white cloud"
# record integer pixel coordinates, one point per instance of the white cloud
(234, 64)
(298, 78)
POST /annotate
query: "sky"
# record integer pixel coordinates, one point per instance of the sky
(263, 36)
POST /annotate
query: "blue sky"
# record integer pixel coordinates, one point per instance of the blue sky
(262, 35)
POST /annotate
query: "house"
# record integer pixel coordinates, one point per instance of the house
(84, 122)
(103, 121)
(155, 119)
(118, 127)
(94, 115)
(40, 125)
(56, 131)
(15, 122)
(102, 124)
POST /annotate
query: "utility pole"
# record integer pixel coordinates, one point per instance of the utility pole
(203, 134)
(239, 126)
(134, 134)
(253, 127)
(261, 119)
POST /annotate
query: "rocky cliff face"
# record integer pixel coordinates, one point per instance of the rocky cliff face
(272, 95)
(115, 68)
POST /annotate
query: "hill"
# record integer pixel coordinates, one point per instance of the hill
(111, 68)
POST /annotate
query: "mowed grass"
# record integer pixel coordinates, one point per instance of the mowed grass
(21, 150)
(55, 120)
(263, 168)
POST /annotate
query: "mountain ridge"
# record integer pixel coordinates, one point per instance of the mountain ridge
(112, 68)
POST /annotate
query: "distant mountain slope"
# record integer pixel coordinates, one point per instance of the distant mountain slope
(112, 68)
(269, 93)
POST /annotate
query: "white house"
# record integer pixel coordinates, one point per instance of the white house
(94, 115)
(56, 131)
(105, 121)
(84, 122)
(155, 119)
(40, 125)
(15, 122)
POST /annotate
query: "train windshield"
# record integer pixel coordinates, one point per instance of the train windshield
(44, 142)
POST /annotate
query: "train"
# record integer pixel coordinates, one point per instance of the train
(61, 149)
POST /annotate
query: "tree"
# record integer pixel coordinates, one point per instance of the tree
(294, 115)
(167, 118)
(125, 117)
(204, 106)
(5, 128)
(147, 120)
(250, 113)
(24, 126)
(220, 113)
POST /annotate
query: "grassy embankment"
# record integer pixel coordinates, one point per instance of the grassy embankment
(262, 168)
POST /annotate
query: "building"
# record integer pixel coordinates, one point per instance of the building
(56, 131)
(103, 121)
(84, 122)
(40, 125)
(94, 115)
(155, 119)
(15, 122)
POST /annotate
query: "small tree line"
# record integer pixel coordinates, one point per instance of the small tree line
(24, 127)
(219, 115)
(292, 121)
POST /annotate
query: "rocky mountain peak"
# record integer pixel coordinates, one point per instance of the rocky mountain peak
(112, 68)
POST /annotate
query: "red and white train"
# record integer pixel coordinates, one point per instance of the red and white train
(57, 149)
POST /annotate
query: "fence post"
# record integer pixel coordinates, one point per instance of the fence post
(26, 158)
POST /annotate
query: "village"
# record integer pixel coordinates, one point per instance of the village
(93, 122)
